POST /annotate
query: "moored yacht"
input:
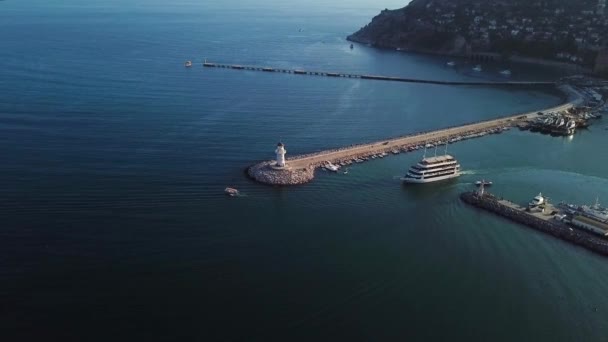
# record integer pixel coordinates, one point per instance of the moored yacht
(433, 169)
(538, 200)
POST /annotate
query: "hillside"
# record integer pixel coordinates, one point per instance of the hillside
(565, 30)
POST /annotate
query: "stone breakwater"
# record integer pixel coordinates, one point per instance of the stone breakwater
(557, 229)
(301, 168)
(265, 173)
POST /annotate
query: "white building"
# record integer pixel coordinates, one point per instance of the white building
(280, 152)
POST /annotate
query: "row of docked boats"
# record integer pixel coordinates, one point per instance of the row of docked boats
(429, 169)
(593, 218)
(556, 124)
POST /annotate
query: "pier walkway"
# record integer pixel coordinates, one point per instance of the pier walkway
(376, 77)
(416, 139)
(300, 169)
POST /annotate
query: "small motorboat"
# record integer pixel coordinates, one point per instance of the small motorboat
(352, 46)
(331, 167)
(231, 192)
(451, 63)
(484, 182)
(477, 68)
(506, 72)
(188, 64)
(538, 200)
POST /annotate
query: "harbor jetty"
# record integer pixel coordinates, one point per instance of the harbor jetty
(300, 169)
(377, 77)
(545, 223)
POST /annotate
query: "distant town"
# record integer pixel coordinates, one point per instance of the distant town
(570, 31)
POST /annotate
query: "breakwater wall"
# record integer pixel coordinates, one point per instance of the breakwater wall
(376, 77)
(557, 229)
(301, 168)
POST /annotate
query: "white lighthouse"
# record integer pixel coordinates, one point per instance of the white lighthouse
(280, 152)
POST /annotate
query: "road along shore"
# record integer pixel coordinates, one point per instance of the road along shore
(300, 169)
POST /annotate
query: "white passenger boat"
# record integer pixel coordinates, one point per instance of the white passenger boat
(433, 169)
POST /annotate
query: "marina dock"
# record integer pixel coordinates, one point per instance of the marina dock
(536, 220)
(376, 77)
(300, 169)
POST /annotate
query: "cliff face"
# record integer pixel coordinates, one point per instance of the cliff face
(402, 29)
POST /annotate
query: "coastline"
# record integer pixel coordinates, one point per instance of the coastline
(493, 56)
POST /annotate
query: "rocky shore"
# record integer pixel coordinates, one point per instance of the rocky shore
(267, 174)
(557, 229)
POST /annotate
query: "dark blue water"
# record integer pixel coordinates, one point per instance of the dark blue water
(115, 157)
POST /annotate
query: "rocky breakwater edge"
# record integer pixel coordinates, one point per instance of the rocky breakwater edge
(301, 169)
(267, 173)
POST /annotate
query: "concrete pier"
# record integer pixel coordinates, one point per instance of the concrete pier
(375, 77)
(540, 222)
(301, 168)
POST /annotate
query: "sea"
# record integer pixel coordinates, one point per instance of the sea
(114, 225)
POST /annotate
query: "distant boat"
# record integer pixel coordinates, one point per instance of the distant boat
(451, 63)
(188, 64)
(506, 72)
(352, 46)
(231, 192)
(477, 68)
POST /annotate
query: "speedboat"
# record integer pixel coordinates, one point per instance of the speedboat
(484, 182)
(477, 68)
(506, 72)
(451, 63)
(231, 192)
(188, 64)
(538, 200)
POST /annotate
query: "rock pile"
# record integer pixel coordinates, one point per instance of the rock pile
(264, 173)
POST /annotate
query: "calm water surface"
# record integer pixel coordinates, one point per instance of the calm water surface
(115, 157)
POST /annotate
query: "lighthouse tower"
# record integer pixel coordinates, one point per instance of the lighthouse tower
(280, 152)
